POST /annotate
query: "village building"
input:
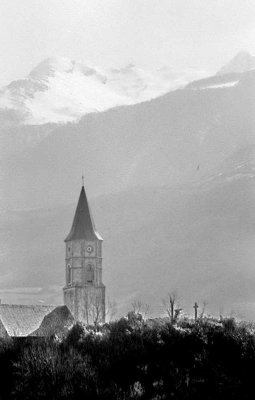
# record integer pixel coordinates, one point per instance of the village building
(18, 320)
(84, 292)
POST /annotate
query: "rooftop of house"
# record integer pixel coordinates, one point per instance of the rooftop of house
(30, 320)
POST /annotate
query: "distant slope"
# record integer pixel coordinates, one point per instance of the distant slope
(198, 240)
(160, 142)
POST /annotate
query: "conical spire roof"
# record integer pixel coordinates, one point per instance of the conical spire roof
(83, 225)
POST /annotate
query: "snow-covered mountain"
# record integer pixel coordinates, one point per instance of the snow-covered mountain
(153, 143)
(60, 90)
(242, 62)
(229, 75)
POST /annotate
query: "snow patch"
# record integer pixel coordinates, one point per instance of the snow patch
(220, 85)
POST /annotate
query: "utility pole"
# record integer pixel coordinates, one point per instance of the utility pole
(195, 308)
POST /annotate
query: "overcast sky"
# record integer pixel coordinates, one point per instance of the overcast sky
(149, 33)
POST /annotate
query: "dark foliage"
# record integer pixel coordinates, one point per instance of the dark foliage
(133, 359)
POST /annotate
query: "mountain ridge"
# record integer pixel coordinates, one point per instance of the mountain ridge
(60, 90)
(170, 135)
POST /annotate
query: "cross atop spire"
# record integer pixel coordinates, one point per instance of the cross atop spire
(82, 179)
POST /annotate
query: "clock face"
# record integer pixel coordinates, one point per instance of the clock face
(89, 249)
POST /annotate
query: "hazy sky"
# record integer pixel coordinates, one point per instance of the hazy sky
(149, 33)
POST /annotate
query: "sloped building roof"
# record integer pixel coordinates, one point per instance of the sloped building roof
(57, 322)
(83, 225)
(21, 320)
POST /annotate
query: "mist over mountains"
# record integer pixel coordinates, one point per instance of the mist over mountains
(171, 184)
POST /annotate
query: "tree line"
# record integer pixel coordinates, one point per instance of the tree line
(133, 358)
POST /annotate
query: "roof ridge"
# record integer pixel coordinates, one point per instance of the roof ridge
(28, 305)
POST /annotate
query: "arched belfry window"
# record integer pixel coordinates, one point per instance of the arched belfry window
(69, 274)
(90, 273)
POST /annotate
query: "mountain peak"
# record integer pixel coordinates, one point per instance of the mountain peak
(241, 62)
(49, 66)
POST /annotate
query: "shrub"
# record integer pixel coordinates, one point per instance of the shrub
(132, 359)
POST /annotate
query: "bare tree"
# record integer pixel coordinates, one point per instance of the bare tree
(87, 306)
(201, 316)
(111, 309)
(170, 307)
(95, 309)
(146, 310)
(138, 307)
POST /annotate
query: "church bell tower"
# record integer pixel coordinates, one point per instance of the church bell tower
(84, 292)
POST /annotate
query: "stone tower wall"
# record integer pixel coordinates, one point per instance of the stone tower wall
(84, 292)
